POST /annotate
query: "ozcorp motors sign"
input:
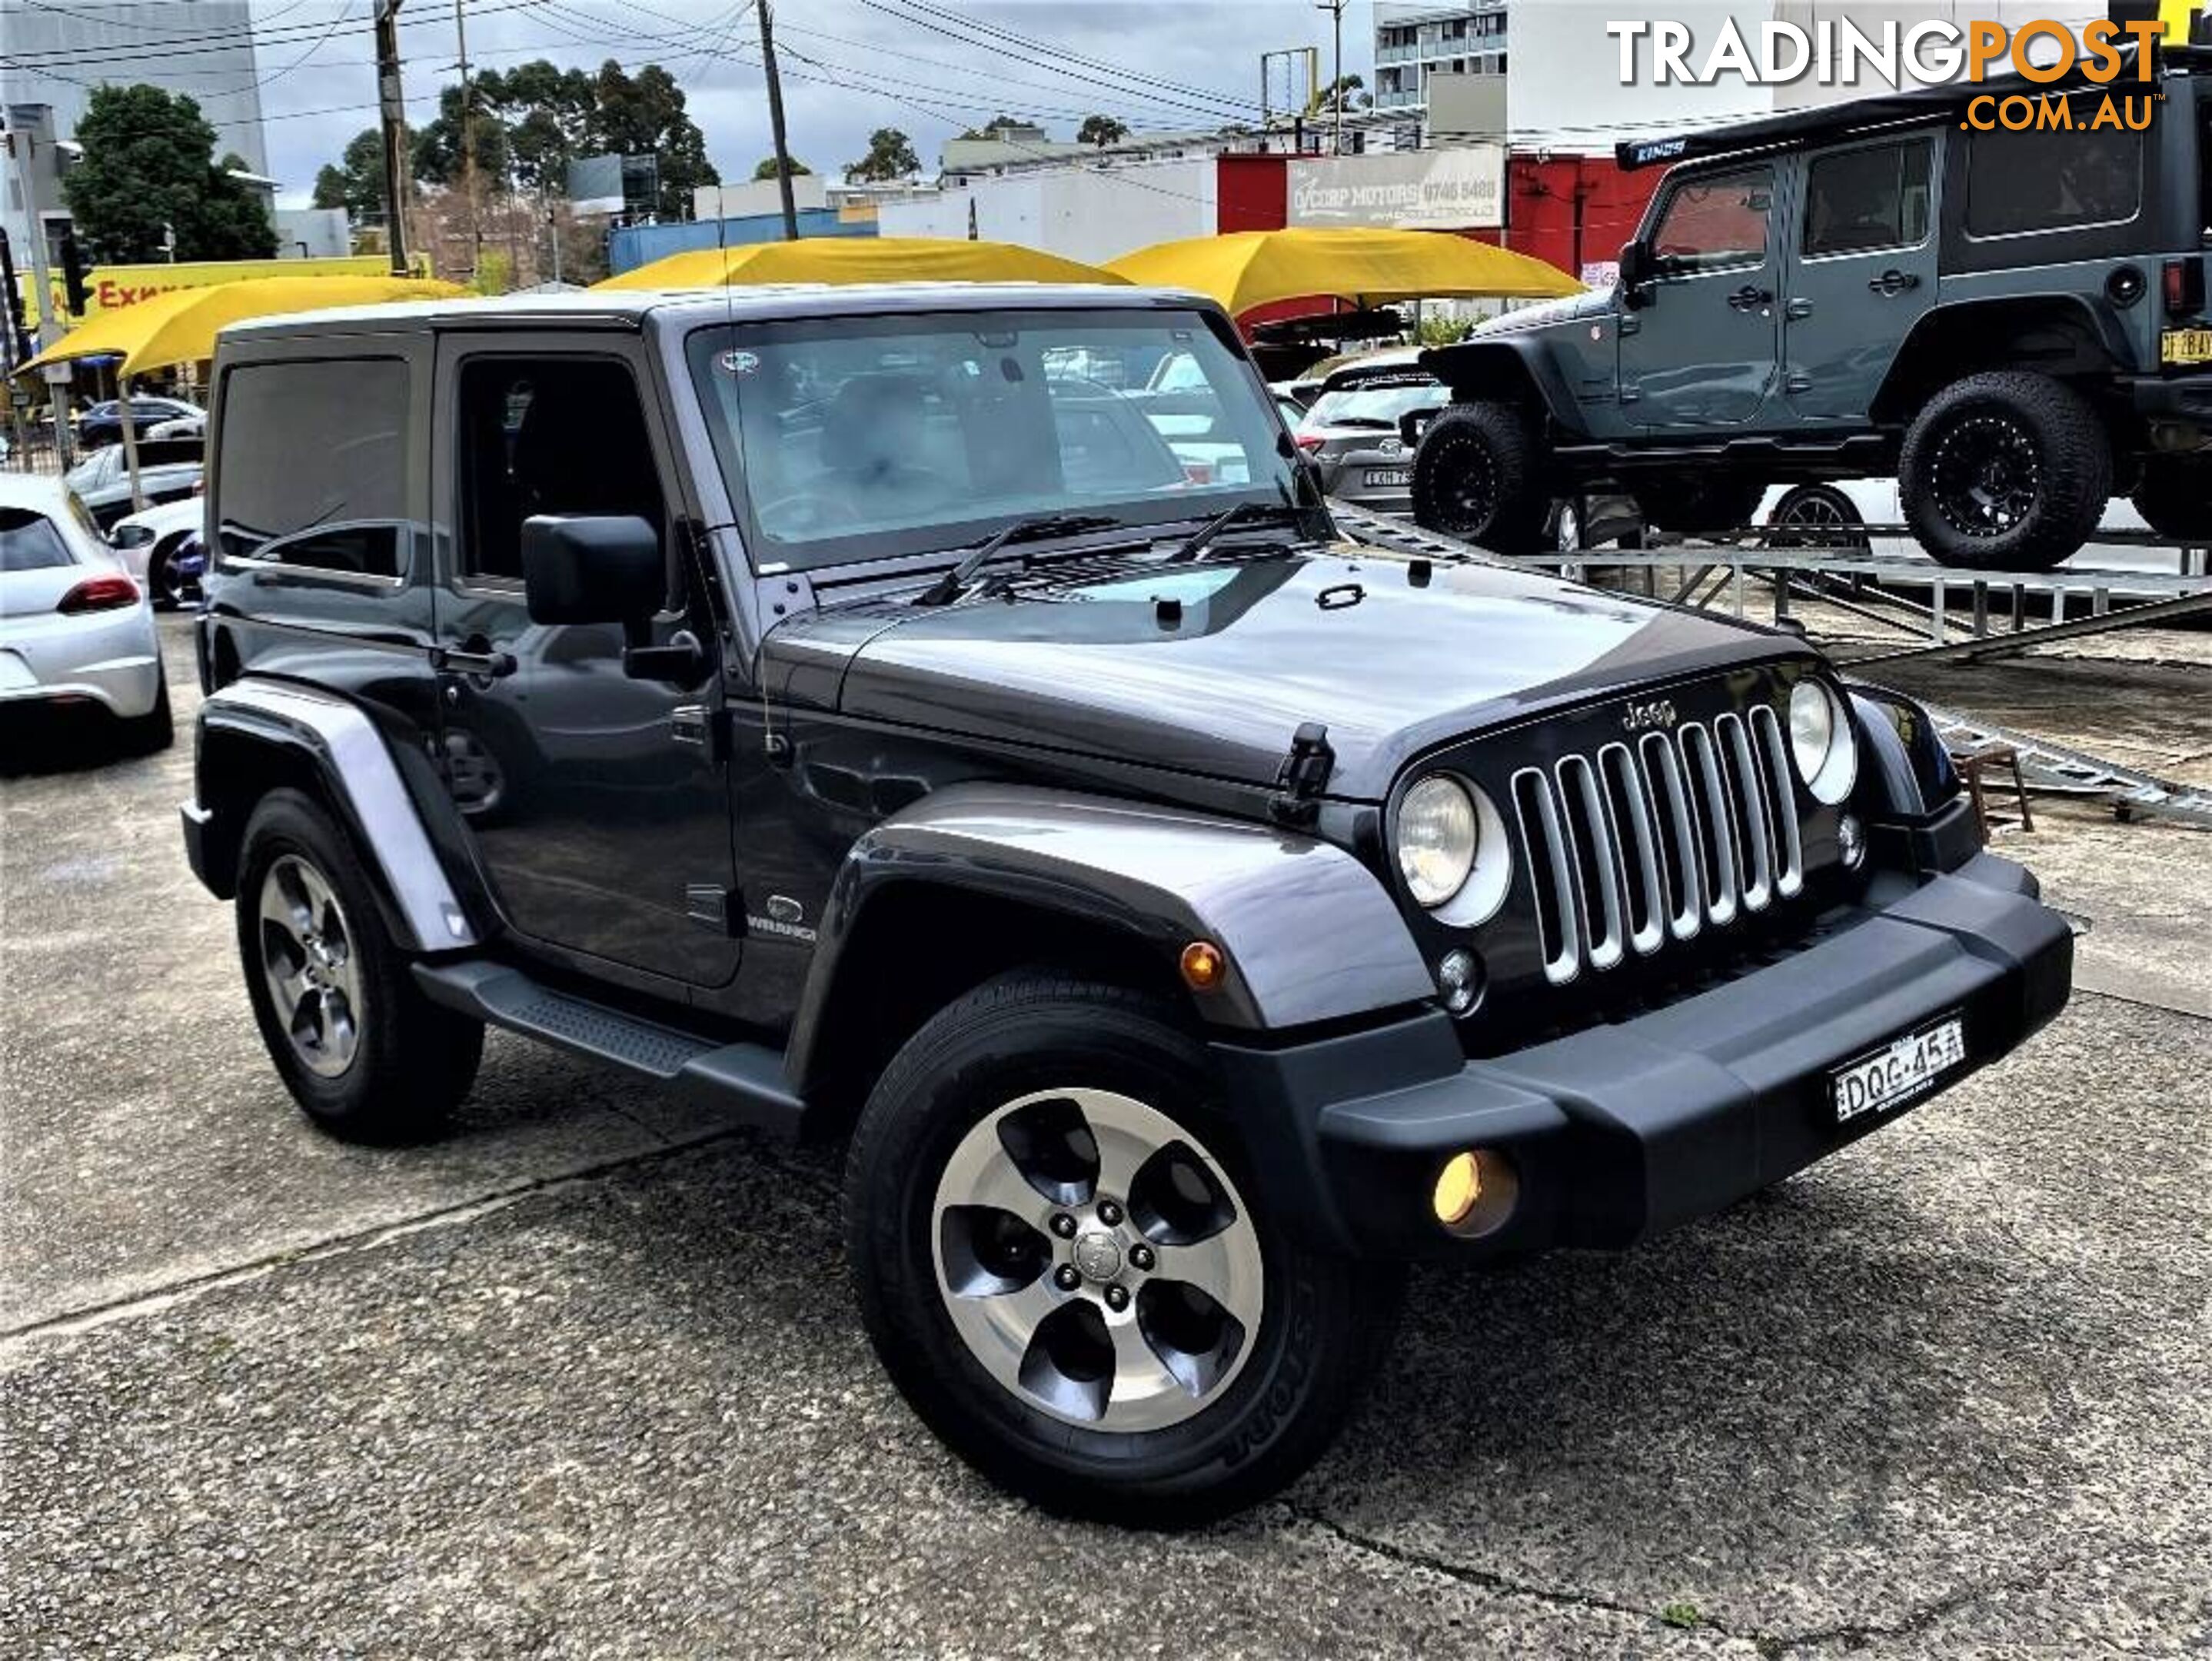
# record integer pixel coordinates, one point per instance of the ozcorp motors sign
(1442, 190)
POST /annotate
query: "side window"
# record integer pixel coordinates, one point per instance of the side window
(2055, 179)
(1716, 223)
(312, 471)
(1862, 200)
(548, 436)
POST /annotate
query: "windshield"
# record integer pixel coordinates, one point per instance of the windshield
(1382, 406)
(847, 439)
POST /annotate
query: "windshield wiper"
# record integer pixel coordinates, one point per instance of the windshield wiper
(950, 587)
(1221, 521)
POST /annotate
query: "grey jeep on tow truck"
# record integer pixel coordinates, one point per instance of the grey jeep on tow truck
(805, 700)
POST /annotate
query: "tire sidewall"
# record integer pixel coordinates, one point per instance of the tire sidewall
(1234, 1443)
(1496, 436)
(2061, 432)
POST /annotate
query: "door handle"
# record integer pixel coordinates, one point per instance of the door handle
(1798, 310)
(1893, 282)
(1750, 297)
(475, 658)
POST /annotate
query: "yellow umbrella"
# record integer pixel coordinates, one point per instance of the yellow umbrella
(1246, 269)
(179, 327)
(859, 259)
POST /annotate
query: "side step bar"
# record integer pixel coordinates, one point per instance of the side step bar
(745, 1079)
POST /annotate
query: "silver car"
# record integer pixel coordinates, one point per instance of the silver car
(75, 629)
(1352, 432)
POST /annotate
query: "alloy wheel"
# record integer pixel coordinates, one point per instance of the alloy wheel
(1097, 1260)
(1985, 475)
(308, 963)
(1471, 497)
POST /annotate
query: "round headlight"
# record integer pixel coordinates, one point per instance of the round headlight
(1436, 838)
(1821, 745)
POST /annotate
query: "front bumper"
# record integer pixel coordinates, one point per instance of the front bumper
(1622, 1131)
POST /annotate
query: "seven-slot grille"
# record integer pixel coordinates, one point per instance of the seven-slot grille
(1665, 834)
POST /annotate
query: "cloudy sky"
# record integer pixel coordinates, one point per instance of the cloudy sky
(928, 67)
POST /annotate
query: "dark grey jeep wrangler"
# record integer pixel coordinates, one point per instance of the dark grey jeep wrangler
(846, 705)
(2012, 322)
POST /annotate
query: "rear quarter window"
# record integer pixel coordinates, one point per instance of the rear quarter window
(2052, 180)
(29, 542)
(312, 468)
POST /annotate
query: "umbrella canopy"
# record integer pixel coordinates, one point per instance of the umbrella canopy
(179, 327)
(1246, 269)
(859, 259)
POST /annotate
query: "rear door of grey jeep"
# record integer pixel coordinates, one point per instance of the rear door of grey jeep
(1862, 270)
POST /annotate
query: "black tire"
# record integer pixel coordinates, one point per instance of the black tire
(155, 731)
(1299, 1377)
(1816, 516)
(412, 1061)
(2175, 497)
(1703, 509)
(2005, 471)
(1478, 477)
(166, 592)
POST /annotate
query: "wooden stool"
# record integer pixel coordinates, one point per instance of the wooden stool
(1971, 764)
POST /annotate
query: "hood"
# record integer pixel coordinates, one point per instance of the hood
(1591, 303)
(1210, 669)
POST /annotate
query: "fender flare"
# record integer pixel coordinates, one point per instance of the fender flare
(340, 745)
(1944, 324)
(1310, 935)
(1465, 368)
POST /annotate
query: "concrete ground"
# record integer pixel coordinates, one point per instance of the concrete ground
(584, 1378)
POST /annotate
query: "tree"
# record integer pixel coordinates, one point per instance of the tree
(797, 169)
(438, 156)
(1101, 130)
(148, 168)
(992, 125)
(549, 112)
(890, 155)
(643, 114)
(1346, 89)
(356, 182)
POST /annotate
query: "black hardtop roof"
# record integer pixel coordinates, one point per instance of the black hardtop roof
(1922, 105)
(619, 308)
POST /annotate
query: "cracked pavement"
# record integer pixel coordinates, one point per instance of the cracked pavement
(583, 1378)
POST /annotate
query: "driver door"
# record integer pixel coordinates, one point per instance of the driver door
(1702, 351)
(597, 814)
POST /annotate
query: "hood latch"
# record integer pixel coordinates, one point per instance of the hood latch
(1302, 776)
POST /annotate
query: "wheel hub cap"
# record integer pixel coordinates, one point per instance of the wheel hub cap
(1099, 1257)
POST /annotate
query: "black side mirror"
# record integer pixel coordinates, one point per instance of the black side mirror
(577, 568)
(1636, 271)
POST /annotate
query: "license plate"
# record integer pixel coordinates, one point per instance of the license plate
(1900, 1071)
(2185, 346)
(1380, 476)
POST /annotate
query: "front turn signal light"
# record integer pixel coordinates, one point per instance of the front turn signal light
(1204, 968)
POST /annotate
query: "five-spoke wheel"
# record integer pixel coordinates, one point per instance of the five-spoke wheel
(307, 960)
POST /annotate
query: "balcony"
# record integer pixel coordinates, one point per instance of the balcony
(1398, 100)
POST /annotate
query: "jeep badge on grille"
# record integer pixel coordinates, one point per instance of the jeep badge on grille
(1642, 717)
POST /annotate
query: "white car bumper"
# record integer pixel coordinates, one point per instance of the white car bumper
(110, 657)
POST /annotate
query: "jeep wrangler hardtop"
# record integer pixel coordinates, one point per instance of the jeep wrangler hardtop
(849, 706)
(2011, 322)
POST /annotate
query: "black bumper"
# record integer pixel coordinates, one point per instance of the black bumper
(1625, 1129)
(2180, 397)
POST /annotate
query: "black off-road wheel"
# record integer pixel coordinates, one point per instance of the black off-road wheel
(367, 1056)
(2175, 497)
(1064, 1262)
(1478, 477)
(2005, 471)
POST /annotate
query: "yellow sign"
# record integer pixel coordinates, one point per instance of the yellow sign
(108, 287)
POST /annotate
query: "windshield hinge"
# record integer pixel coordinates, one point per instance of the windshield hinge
(1303, 775)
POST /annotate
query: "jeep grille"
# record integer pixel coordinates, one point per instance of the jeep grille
(1676, 834)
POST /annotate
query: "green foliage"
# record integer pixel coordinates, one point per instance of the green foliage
(1680, 1615)
(1101, 130)
(989, 127)
(644, 115)
(495, 273)
(148, 163)
(1347, 90)
(1443, 330)
(766, 169)
(439, 156)
(890, 155)
(356, 183)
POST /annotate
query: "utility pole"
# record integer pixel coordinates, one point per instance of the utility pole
(468, 144)
(392, 107)
(19, 155)
(775, 125)
(1336, 9)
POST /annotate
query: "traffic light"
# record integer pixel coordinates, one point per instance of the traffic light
(73, 274)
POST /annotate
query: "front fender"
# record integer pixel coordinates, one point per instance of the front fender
(1309, 934)
(1506, 366)
(255, 732)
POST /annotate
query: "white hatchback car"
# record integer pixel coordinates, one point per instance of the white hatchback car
(75, 629)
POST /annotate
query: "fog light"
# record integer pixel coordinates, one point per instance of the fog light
(1459, 1189)
(1459, 977)
(1203, 966)
(1850, 840)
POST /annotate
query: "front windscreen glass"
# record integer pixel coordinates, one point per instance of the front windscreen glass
(847, 439)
